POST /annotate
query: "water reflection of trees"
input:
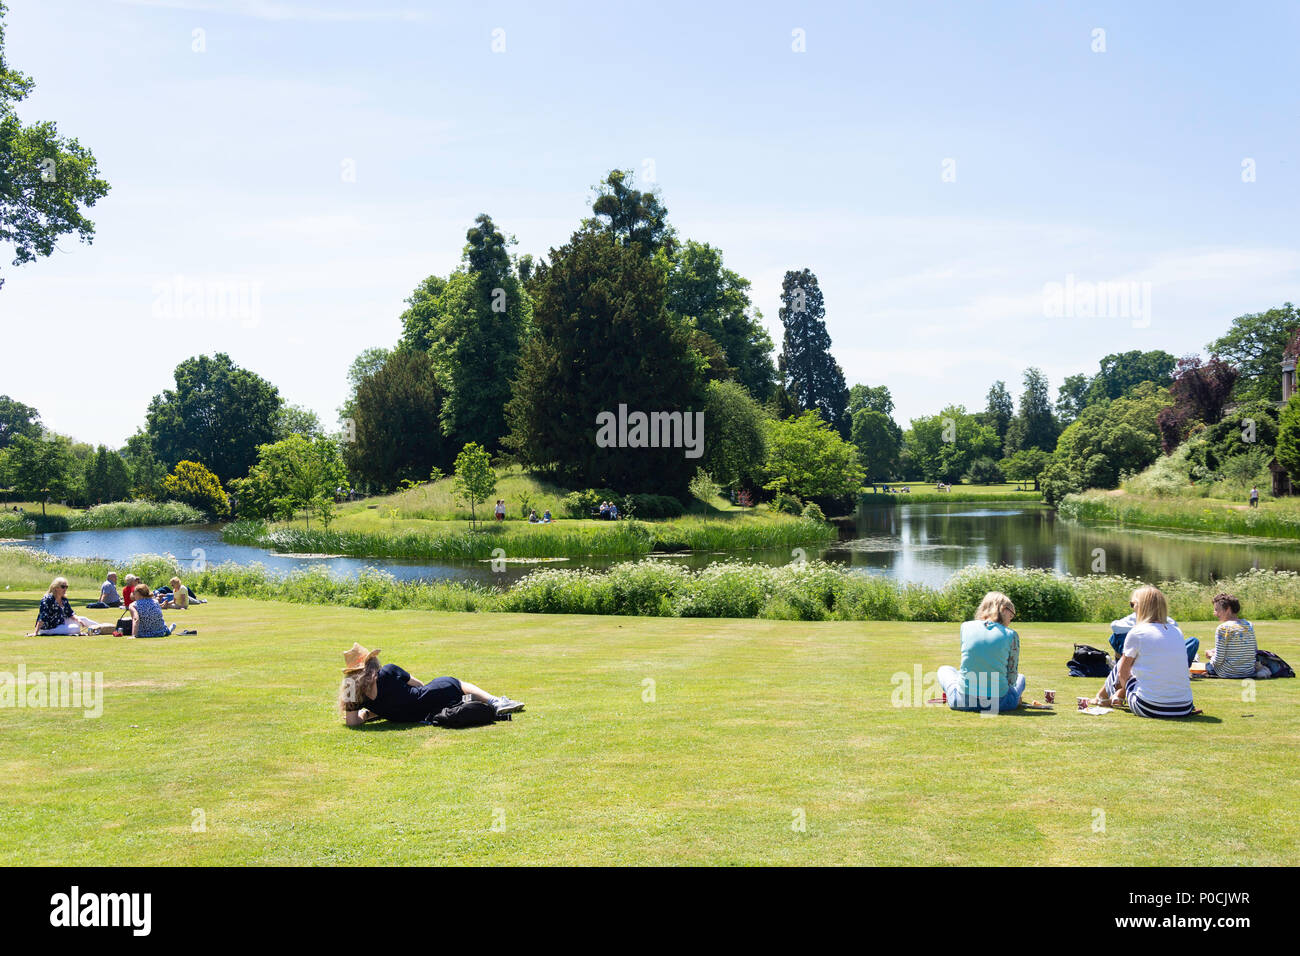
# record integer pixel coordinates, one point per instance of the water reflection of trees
(929, 542)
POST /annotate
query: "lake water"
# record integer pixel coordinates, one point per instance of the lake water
(923, 543)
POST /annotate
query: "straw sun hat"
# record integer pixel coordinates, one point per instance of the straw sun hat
(355, 658)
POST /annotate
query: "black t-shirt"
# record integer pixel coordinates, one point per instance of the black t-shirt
(395, 699)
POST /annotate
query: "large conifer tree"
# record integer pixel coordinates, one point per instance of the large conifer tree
(808, 370)
(603, 337)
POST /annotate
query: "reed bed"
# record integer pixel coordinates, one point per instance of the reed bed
(560, 540)
(1181, 514)
(116, 514)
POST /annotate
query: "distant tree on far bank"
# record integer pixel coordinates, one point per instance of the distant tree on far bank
(808, 371)
(1034, 425)
(218, 414)
(999, 411)
(396, 423)
(808, 459)
(715, 300)
(603, 339)
(1288, 438)
(17, 419)
(879, 442)
(1254, 345)
(294, 474)
(633, 217)
(40, 468)
(735, 436)
(475, 480)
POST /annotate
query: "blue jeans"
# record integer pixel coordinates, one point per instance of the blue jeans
(1193, 645)
(954, 686)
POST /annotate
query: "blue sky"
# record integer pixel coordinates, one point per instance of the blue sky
(227, 165)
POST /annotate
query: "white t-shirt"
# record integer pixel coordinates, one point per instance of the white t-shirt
(1159, 655)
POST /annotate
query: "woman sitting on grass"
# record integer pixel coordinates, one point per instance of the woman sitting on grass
(989, 678)
(1152, 672)
(179, 598)
(369, 691)
(1234, 641)
(56, 615)
(147, 616)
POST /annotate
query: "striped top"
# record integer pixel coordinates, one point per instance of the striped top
(1234, 649)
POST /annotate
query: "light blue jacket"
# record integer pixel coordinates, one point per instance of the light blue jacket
(990, 659)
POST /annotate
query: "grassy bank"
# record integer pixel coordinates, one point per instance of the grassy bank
(925, 494)
(453, 540)
(117, 514)
(811, 591)
(1272, 519)
(645, 741)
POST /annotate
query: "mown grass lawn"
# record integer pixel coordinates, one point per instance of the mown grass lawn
(753, 724)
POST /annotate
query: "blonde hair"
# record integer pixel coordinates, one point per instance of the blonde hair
(174, 582)
(56, 583)
(1150, 605)
(992, 607)
(357, 688)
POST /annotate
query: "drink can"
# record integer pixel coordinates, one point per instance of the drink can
(1083, 703)
(1049, 697)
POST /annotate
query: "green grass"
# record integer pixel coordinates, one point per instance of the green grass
(437, 501)
(923, 493)
(751, 723)
(1272, 519)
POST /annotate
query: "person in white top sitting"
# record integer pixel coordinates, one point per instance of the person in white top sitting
(1119, 630)
(1151, 673)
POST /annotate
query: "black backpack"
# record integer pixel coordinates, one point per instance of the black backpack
(1275, 666)
(1088, 661)
(469, 713)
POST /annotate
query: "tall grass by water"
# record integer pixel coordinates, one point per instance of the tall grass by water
(117, 514)
(559, 540)
(927, 495)
(802, 591)
(1270, 520)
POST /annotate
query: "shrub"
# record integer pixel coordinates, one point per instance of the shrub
(813, 512)
(983, 471)
(1038, 594)
(653, 506)
(786, 503)
(580, 504)
(194, 484)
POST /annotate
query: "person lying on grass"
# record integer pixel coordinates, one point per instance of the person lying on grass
(369, 691)
(56, 616)
(1151, 673)
(989, 678)
(147, 616)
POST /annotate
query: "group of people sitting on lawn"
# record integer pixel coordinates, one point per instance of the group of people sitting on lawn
(544, 519)
(145, 605)
(1153, 659)
(608, 510)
